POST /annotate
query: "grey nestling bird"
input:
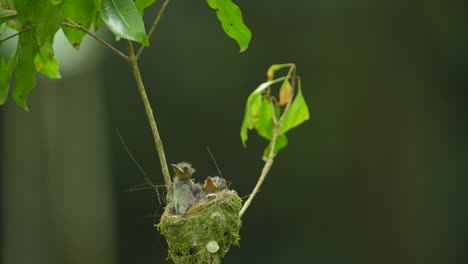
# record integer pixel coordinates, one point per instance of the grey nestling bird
(183, 190)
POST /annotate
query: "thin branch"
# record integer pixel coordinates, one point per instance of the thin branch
(75, 25)
(133, 61)
(17, 33)
(153, 27)
(268, 163)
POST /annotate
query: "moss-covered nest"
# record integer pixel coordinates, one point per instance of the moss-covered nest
(205, 232)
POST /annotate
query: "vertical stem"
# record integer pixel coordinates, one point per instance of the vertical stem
(149, 113)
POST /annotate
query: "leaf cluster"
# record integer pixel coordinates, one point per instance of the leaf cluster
(273, 116)
(37, 21)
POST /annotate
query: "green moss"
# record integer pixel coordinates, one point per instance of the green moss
(214, 221)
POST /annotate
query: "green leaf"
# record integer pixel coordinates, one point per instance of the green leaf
(97, 20)
(254, 102)
(281, 143)
(45, 61)
(27, 9)
(264, 125)
(123, 19)
(6, 14)
(142, 4)
(81, 12)
(230, 17)
(25, 79)
(297, 114)
(253, 107)
(5, 75)
(56, 2)
(48, 21)
(39, 15)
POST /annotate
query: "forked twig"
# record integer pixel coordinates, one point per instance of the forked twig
(73, 24)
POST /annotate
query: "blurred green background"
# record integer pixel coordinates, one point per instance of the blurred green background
(378, 174)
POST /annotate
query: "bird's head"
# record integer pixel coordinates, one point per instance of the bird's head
(183, 170)
(210, 186)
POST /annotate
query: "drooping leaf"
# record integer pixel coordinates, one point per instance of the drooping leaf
(25, 79)
(41, 19)
(297, 114)
(281, 143)
(45, 61)
(27, 9)
(285, 93)
(230, 17)
(39, 15)
(81, 12)
(6, 14)
(252, 108)
(5, 75)
(123, 19)
(142, 4)
(48, 21)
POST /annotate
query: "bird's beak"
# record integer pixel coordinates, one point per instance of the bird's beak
(210, 184)
(177, 168)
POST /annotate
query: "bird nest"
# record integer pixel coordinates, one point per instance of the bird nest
(205, 232)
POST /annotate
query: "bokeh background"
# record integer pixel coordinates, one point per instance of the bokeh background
(377, 175)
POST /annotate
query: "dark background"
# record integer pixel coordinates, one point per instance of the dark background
(377, 175)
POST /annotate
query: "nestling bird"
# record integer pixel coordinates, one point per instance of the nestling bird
(211, 186)
(183, 190)
(214, 184)
(183, 170)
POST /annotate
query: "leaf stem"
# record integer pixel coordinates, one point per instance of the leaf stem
(153, 27)
(133, 61)
(73, 24)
